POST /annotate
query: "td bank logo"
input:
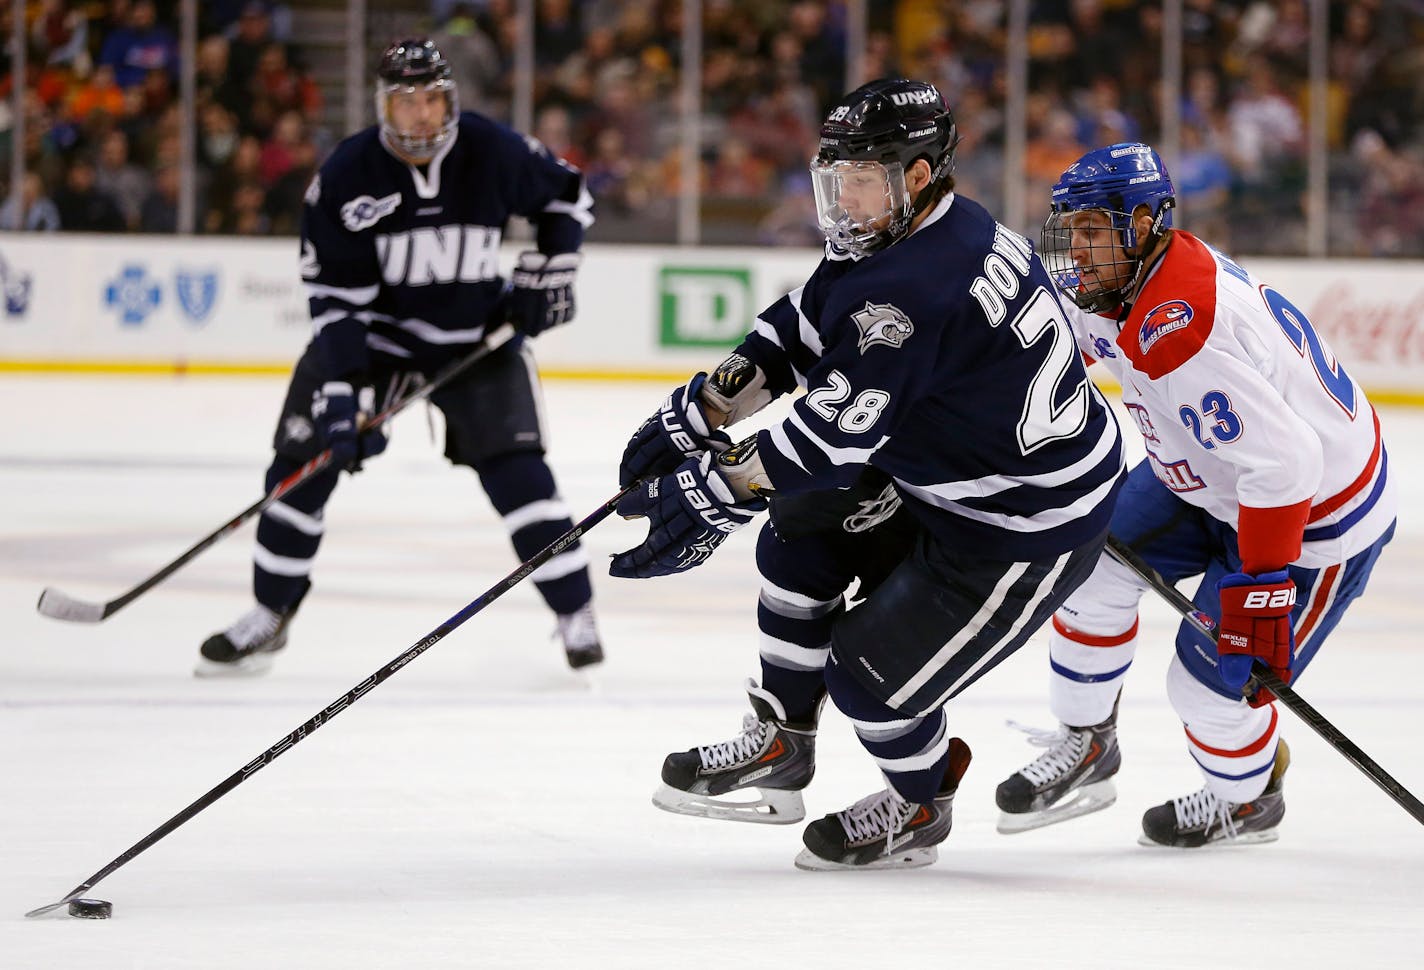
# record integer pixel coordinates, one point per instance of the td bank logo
(704, 306)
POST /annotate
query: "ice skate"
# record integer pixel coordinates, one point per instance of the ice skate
(883, 831)
(771, 759)
(1202, 819)
(246, 648)
(579, 633)
(1072, 778)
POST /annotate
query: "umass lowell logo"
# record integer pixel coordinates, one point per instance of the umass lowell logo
(1162, 320)
(439, 254)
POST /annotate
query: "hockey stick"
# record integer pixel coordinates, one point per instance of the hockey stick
(308, 727)
(59, 605)
(1264, 677)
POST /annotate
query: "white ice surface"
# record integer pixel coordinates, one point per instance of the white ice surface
(486, 808)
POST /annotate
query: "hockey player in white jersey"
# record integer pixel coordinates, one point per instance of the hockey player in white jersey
(1266, 475)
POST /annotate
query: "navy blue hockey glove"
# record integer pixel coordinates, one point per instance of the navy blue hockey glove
(334, 408)
(689, 512)
(542, 292)
(678, 430)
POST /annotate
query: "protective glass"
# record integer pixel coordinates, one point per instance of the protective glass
(416, 144)
(1083, 251)
(860, 205)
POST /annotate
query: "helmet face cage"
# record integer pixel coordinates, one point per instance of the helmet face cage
(888, 124)
(407, 67)
(1107, 271)
(861, 206)
(1092, 218)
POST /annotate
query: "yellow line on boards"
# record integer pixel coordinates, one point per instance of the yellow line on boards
(266, 369)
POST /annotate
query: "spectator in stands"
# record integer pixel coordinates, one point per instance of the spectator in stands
(139, 47)
(35, 211)
(82, 206)
(99, 93)
(123, 181)
(160, 209)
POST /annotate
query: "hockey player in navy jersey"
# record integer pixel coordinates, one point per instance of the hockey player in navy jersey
(400, 244)
(1266, 475)
(950, 454)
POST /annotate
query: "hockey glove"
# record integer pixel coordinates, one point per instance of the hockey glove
(542, 294)
(689, 512)
(678, 430)
(1255, 625)
(334, 408)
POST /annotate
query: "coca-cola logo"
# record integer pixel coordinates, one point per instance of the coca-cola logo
(1371, 326)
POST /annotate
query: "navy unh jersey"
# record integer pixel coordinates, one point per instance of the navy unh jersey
(403, 260)
(946, 361)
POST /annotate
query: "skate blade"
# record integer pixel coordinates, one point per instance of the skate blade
(808, 861)
(774, 807)
(1084, 801)
(1245, 838)
(253, 666)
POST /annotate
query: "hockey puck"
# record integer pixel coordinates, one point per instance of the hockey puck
(91, 908)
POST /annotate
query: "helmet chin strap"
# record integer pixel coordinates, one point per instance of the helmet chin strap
(1145, 247)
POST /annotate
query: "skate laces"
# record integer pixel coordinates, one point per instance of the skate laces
(727, 753)
(1065, 749)
(253, 627)
(883, 812)
(578, 630)
(1201, 809)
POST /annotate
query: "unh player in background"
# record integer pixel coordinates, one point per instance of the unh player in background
(400, 247)
(1266, 475)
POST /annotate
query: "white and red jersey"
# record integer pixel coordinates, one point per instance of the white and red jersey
(1245, 411)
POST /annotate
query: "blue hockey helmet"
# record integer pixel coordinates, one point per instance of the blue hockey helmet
(868, 142)
(415, 64)
(1114, 182)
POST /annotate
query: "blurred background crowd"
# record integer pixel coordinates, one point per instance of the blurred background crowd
(103, 121)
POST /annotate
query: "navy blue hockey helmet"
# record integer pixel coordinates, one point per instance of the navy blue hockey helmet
(409, 65)
(1111, 182)
(868, 142)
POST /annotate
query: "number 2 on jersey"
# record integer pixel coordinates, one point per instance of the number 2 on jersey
(1307, 342)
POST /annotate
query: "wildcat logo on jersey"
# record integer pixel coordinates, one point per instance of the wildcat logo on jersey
(365, 211)
(882, 323)
(1162, 320)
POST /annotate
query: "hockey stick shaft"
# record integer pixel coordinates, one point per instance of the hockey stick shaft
(310, 725)
(58, 605)
(1264, 677)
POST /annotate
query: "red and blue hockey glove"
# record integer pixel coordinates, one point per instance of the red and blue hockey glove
(678, 430)
(1255, 625)
(542, 291)
(690, 512)
(335, 411)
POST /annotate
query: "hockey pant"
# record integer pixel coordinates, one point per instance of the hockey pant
(491, 425)
(946, 645)
(1095, 633)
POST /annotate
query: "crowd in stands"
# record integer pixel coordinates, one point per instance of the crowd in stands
(102, 122)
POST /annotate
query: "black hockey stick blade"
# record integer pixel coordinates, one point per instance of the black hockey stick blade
(309, 727)
(59, 605)
(1265, 677)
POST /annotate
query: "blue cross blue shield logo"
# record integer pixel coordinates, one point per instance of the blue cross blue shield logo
(133, 294)
(197, 292)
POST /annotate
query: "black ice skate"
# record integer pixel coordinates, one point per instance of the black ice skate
(883, 831)
(245, 649)
(579, 634)
(1202, 819)
(771, 757)
(1072, 778)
